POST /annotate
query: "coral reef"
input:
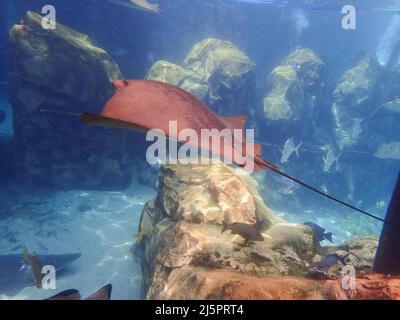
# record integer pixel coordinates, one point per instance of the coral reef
(45, 75)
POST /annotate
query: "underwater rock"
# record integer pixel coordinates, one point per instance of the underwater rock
(196, 283)
(186, 79)
(388, 151)
(296, 84)
(354, 99)
(216, 72)
(229, 73)
(62, 71)
(186, 223)
(362, 253)
(373, 287)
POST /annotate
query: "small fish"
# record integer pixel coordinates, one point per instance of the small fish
(73, 294)
(139, 4)
(381, 204)
(289, 184)
(391, 108)
(330, 261)
(250, 232)
(288, 150)
(35, 267)
(329, 159)
(319, 232)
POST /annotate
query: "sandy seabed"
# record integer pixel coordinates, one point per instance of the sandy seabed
(98, 224)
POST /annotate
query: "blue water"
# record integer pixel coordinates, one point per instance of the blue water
(79, 217)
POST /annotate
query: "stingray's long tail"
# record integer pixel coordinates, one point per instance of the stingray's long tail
(270, 166)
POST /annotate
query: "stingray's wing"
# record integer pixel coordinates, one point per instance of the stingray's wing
(59, 261)
(13, 277)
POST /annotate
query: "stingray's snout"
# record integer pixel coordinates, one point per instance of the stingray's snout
(120, 84)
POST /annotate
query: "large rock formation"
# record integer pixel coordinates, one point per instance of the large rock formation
(354, 99)
(186, 256)
(215, 71)
(62, 71)
(296, 85)
(186, 222)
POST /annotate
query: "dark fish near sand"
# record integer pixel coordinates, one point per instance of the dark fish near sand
(330, 261)
(319, 232)
(73, 294)
(250, 232)
(15, 273)
(35, 266)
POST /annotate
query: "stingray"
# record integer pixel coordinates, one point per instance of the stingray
(143, 105)
(15, 274)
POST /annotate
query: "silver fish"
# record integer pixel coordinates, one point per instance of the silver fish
(288, 150)
(139, 4)
(329, 159)
(391, 108)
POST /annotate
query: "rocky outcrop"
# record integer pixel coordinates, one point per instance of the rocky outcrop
(187, 216)
(62, 71)
(215, 71)
(372, 287)
(354, 99)
(296, 85)
(185, 254)
(388, 151)
(186, 79)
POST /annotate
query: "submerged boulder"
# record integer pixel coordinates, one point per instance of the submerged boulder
(62, 71)
(354, 99)
(192, 204)
(229, 73)
(296, 84)
(216, 72)
(167, 72)
(388, 151)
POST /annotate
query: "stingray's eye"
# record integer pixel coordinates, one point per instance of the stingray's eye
(120, 84)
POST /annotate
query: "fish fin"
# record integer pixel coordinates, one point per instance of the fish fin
(236, 122)
(25, 254)
(297, 149)
(256, 148)
(71, 294)
(103, 294)
(328, 236)
(224, 227)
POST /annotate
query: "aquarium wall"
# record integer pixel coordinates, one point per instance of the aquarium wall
(315, 81)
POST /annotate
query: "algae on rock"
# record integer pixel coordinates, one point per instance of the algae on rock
(61, 70)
